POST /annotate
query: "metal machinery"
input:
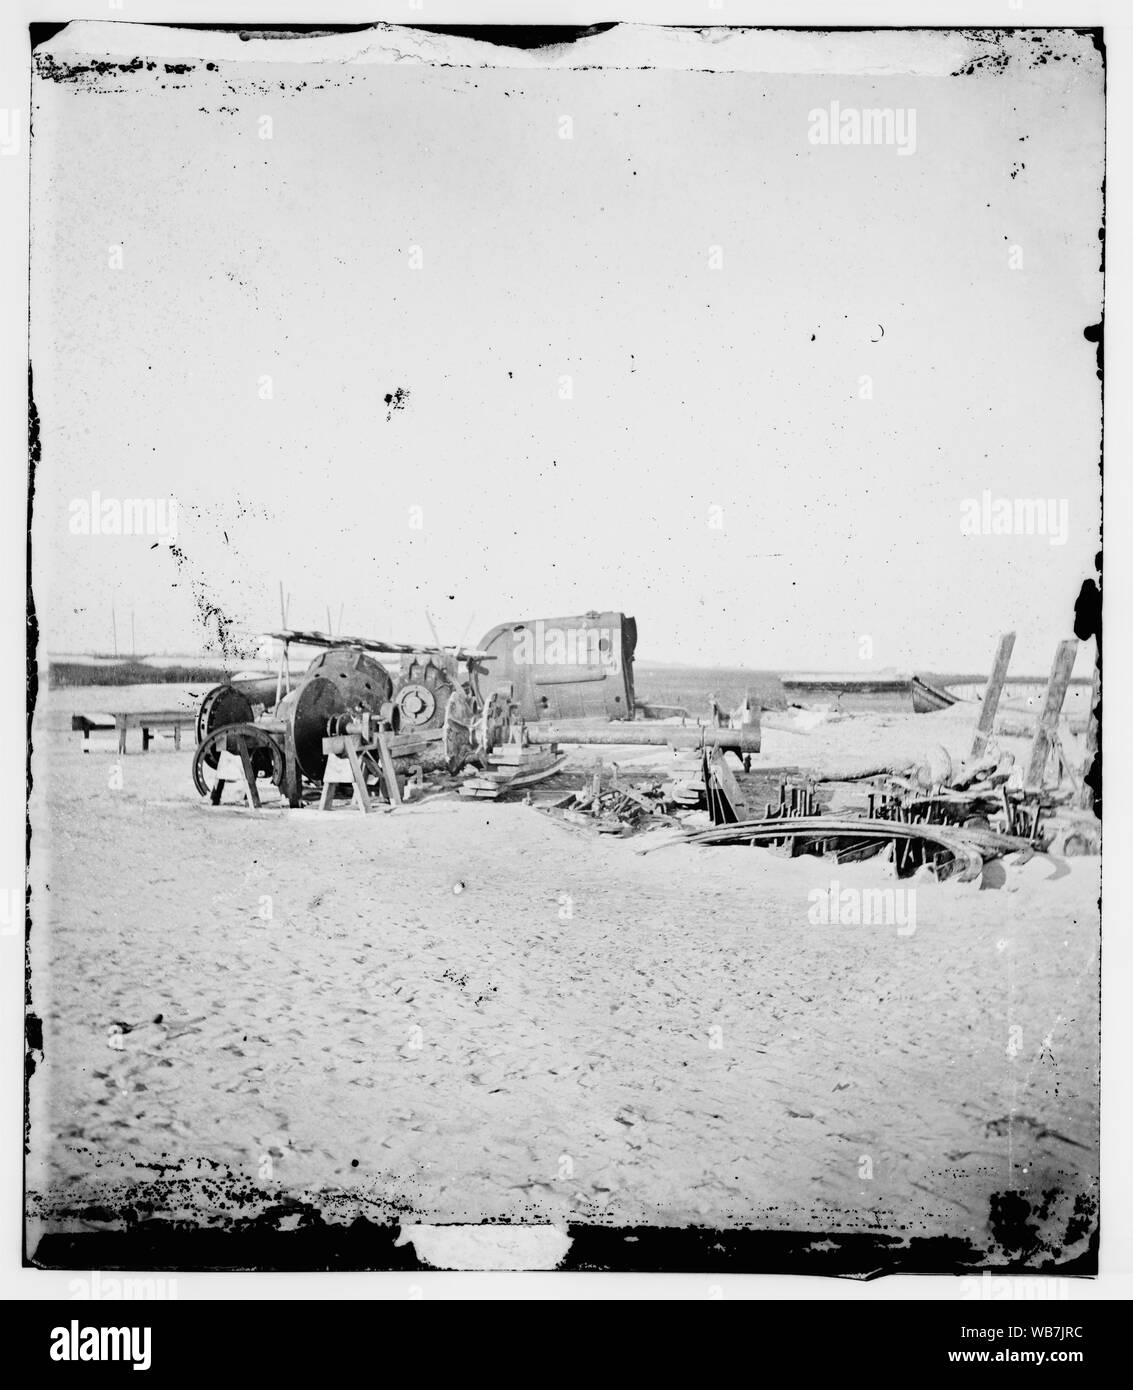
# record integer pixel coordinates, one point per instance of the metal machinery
(441, 712)
(433, 713)
(565, 668)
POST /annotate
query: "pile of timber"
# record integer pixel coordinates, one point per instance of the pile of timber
(512, 767)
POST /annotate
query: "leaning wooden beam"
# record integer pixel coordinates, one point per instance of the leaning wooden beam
(1047, 732)
(991, 695)
(389, 772)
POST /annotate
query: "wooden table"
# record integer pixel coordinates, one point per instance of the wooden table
(147, 720)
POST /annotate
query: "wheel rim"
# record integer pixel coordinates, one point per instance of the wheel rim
(266, 755)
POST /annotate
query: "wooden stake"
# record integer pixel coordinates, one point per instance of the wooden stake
(389, 772)
(992, 693)
(1047, 731)
(361, 794)
(249, 773)
(235, 766)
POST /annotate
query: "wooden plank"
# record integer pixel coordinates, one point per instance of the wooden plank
(336, 773)
(389, 772)
(994, 689)
(504, 776)
(515, 755)
(84, 723)
(491, 785)
(361, 794)
(249, 774)
(530, 776)
(1047, 731)
(152, 719)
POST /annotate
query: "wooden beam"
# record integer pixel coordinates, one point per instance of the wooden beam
(1047, 731)
(992, 693)
(249, 774)
(389, 772)
(361, 793)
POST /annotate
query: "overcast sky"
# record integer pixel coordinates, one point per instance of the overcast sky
(714, 285)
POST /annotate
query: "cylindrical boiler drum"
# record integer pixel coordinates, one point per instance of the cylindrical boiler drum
(363, 682)
(306, 712)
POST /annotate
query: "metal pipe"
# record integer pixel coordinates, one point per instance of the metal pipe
(743, 740)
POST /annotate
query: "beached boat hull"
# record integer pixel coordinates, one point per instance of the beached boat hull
(927, 698)
(844, 683)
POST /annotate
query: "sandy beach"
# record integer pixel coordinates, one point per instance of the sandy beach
(464, 1012)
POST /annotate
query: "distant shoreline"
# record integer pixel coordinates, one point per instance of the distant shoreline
(84, 669)
(79, 673)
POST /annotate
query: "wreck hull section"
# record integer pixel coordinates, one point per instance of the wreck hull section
(579, 667)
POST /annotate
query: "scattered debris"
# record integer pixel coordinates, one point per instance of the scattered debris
(615, 810)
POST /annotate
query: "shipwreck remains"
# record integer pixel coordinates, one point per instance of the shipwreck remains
(565, 668)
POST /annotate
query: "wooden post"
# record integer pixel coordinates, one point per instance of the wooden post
(361, 794)
(336, 772)
(991, 695)
(389, 772)
(1086, 792)
(235, 765)
(1047, 731)
(248, 771)
(750, 719)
